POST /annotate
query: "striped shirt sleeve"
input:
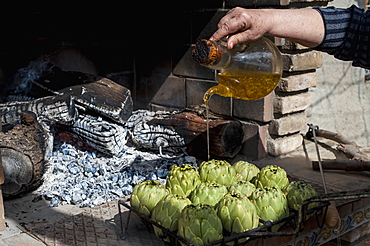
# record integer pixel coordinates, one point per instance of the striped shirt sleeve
(347, 34)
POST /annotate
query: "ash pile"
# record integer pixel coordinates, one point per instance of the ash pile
(75, 138)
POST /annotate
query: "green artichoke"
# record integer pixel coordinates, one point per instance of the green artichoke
(209, 193)
(146, 195)
(167, 212)
(243, 187)
(271, 175)
(245, 170)
(199, 224)
(237, 213)
(297, 192)
(218, 171)
(271, 203)
(182, 180)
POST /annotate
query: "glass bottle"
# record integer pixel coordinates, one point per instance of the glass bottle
(249, 71)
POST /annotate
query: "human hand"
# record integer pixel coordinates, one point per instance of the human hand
(242, 25)
(304, 26)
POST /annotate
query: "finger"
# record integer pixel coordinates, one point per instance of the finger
(222, 30)
(233, 25)
(221, 25)
(231, 14)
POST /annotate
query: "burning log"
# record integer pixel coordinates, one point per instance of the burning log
(107, 137)
(103, 97)
(226, 135)
(92, 94)
(157, 137)
(100, 102)
(23, 149)
(59, 108)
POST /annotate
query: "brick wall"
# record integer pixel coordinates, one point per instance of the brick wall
(171, 80)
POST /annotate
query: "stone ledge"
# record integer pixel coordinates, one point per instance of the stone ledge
(289, 124)
(291, 104)
(302, 61)
(283, 145)
(297, 82)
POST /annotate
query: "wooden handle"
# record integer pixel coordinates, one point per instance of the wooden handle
(332, 219)
(348, 165)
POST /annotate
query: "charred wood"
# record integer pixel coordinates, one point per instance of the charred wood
(92, 93)
(226, 135)
(59, 109)
(23, 150)
(157, 137)
(107, 137)
(103, 97)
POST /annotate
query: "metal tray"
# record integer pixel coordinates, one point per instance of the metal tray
(288, 226)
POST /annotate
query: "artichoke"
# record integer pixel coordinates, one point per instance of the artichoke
(199, 224)
(245, 170)
(271, 203)
(208, 193)
(271, 175)
(297, 192)
(182, 180)
(243, 187)
(167, 212)
(146, 195)
(218, 171)
(237, 213)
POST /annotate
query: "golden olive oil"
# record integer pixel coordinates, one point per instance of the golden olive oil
(244, 85)
(207, 118)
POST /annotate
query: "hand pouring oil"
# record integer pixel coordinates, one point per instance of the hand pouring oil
(249, 71)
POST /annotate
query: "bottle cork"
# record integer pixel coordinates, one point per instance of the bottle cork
(206, 52)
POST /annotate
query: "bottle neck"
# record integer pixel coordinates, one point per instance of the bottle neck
(223, 62)
(211, 54)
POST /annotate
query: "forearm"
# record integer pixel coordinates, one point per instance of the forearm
(304, 26)
(344, 33)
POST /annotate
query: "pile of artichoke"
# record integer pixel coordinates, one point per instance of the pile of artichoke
(217, 199)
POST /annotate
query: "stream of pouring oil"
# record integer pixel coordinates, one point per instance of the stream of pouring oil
(246, 85)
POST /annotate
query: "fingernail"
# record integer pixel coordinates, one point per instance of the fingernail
(212, 38)
(231, 45)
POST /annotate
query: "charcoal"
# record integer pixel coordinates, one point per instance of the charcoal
(54, 202)
(88, 179)
(152, 176)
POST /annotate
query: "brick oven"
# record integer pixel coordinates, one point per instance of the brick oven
(147, 50)
(154, 62)
(271, 125)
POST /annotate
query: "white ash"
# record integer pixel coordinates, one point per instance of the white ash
(88, 178)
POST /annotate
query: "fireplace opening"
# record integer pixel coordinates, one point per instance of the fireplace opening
(110, 96)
